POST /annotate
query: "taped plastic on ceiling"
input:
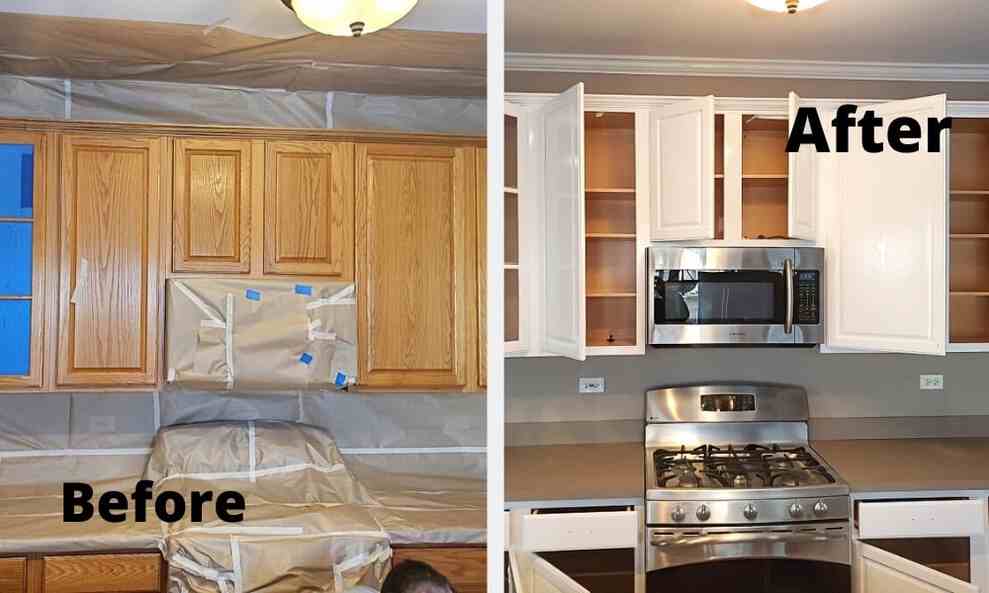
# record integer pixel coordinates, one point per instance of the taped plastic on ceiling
(308, 524)
(205, 104)
(255, 334)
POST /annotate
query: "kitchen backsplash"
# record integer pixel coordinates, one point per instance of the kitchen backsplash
(839, 385)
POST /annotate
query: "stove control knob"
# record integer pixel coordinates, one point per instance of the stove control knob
(796, 510)
(750, 512)
(703, 513)
(678, 514)
(821, 508)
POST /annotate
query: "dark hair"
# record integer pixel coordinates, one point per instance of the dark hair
(412, 576)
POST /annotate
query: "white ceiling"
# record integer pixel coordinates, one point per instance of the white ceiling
(264, 18)
(929, 31)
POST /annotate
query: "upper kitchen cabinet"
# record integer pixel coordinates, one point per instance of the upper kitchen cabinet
(414, 244)
(309, 209)
(516, 204)
(109, 287)
(682, 151)
(969, 231)
(886, 243)
(23, 235)
(211, 206)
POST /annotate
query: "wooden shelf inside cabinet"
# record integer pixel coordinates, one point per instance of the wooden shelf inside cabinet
(765, 178)
(970, 192)
(512, 190)
(611, 295)
(610, 235)
(626, 191)
(969, 235)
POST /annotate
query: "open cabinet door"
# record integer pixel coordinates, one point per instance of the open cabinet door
(886, 246)
(682, 146)
(564, 315)
(801, 186)
(532, 574)
(519, 212)
(882, 572)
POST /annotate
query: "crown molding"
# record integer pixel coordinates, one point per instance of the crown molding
(744, 68)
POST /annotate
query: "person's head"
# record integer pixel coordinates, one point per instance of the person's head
(412, 576)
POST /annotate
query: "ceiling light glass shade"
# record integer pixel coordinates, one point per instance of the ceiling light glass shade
(790, 6)
(350, 17)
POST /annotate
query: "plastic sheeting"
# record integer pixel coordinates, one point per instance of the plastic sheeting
(307, 526)
(205, 104)
(251, 334)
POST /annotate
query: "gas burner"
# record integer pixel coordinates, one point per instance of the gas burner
(748, 466)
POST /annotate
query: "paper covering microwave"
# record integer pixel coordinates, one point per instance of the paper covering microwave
(307, 526)
(261, 334)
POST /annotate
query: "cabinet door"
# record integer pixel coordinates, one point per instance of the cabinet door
(23, 235)
(13, 575)
(518, 209)
(532, 574)
(682, 184)
(563, 326)
(103, 573)
(412, 251)
(211, 206)
(886, 247)
(882, 572)
(802, 186)
(481, 194)
(309, 209)
(108, 294)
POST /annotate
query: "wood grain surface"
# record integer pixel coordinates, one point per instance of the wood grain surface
(309, 209)
(412, 254)
(13, 575)
(211, 206)
(109, 269)
(481, 193)
(103, 573)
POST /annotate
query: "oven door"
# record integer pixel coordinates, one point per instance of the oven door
(765, 559)
(734, 296)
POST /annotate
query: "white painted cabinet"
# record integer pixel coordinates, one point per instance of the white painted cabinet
(801, 184)
(880, 571)
(531, 574)
(886, 243)
(682, 165)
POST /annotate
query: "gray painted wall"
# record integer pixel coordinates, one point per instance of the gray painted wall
(839, 385)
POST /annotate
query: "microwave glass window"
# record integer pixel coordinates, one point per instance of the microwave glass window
(731, 297)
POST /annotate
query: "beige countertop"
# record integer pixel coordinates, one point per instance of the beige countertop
(891, 465)
(603, 474)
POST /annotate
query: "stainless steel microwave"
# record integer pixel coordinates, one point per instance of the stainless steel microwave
(736, 295)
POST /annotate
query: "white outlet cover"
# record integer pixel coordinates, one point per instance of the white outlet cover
(590, 385)
(932, 382)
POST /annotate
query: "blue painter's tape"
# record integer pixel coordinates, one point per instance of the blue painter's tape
(27, 181)
(252, 295)
(340, 380)
(306, 358)
(16, 180)
(15, 338)
(303, 289)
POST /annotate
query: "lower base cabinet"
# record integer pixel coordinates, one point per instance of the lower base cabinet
(465, 567)
(83, 573)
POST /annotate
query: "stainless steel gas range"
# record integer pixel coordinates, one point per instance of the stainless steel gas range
(735, 494)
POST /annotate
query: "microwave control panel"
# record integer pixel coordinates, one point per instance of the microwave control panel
(808, 297)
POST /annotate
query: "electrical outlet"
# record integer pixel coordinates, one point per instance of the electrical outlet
(590, 385)
(102, 424)
(932, 382)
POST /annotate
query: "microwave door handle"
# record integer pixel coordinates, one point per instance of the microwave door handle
(788, 272)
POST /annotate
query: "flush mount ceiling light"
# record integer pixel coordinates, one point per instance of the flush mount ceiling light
(790, 6)
(349, 17)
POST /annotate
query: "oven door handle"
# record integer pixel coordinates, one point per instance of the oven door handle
(741, 537)
(788, 272)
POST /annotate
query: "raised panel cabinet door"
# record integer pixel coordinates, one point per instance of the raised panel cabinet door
(801, 185)
(26, 254)
(103, 573)
(880, 571)
(309, 209)
(682, 204)
(465, 567)
(561, 123)
(109, 289)
(13, 575)
(211, 206)
(887, 246)
(481, 192)
(412, 254)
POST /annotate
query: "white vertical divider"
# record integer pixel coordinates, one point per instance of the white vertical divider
(733, 176)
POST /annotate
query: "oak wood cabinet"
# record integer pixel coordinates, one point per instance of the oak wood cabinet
(481, 249)
(465, 567)
(211, 205)
(309, 209)
(414, 245)
(84, 573)
(109, 284)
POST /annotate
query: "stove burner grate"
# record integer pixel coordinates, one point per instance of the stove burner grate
(751, 466)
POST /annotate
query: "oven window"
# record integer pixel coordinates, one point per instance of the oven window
(753, 576)
(710, 298)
